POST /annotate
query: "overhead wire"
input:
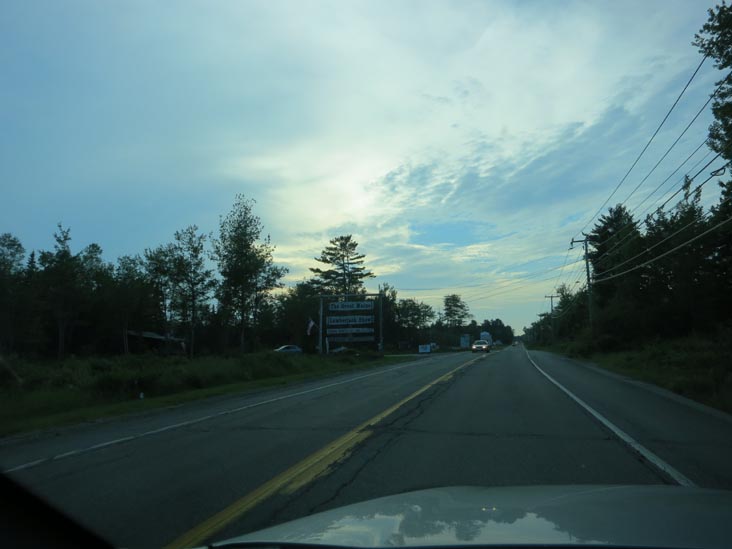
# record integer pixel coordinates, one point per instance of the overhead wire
(572, 302)
(655, 133)
(706, 216)
(632, 223)
(658, 187)
(507, 289)
(507, 285)
(574, 273)
(635, 209)
(663, 157)
(482, 284)
(623, 241)
(566, 258)
(524, 278)
(715, 173)
(661, 256)
(668, 151)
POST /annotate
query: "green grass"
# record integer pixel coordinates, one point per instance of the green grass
(75, 390)
(699, 368)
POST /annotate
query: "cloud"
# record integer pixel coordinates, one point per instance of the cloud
(459, 143)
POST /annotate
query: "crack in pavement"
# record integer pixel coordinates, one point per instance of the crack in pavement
(385, 435)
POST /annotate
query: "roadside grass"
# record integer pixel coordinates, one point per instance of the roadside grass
(697, 367)
(37, 395)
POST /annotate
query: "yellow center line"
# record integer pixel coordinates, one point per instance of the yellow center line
(300, 474)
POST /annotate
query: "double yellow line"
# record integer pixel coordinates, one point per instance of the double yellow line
(315, 465)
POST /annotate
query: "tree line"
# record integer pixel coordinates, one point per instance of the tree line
(669, 274)
(199, 293)
(76, 301)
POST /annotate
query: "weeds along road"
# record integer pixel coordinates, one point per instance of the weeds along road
(214, 469)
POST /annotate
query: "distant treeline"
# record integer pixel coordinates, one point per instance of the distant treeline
(666, 277)
(59, 302)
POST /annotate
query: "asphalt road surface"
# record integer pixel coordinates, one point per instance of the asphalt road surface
(214, 469)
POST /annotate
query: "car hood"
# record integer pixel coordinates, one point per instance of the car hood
(650, 516)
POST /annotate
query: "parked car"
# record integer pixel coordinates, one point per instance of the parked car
(288, 349)
(480, 345)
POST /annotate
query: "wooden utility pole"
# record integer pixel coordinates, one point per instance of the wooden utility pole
(585, 242)
(551, 301)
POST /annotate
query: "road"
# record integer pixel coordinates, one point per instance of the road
(214, 469)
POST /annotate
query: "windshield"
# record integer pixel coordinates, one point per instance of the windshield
(265, 259)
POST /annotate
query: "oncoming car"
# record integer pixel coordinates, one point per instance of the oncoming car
(480, 345)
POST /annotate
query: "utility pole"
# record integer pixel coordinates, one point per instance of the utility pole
(541, 330)
(585, 242)
(381, 319)
(551, 300)
(321, 331)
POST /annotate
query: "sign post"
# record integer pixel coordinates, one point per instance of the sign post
(320, 329)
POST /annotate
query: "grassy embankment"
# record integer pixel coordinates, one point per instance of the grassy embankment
(37, 395)
(697, 367)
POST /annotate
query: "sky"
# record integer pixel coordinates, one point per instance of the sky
(463, 144)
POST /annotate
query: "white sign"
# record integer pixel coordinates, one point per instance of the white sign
(350, 331)
(425, 348)
(351, 306)
(350, 319)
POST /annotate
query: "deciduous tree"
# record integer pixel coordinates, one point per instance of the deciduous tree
(193, 281)
(11, 281)
(246, 265)
(455, 311)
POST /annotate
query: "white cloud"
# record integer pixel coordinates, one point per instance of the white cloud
(373, 117)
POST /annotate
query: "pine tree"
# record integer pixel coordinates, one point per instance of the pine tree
(346, 274)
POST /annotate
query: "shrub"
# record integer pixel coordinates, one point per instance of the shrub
(113, 384)
(607, 343)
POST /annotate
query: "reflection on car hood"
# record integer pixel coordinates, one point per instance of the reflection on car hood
(651, 516)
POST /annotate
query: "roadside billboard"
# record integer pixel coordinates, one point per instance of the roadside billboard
(351, 319)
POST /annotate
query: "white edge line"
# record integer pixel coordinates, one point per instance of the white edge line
(105, 444)
(26, 465)
(622, 435)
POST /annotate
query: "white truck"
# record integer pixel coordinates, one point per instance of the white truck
(487, 337)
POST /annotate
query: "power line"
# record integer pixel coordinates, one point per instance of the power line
(706, 140)
(658, 129)
(649, 195)
(505, 290)
(520, 280)
(632, 222)
(577, 273)
(566, 258)
(671, 147)
(715, 173)
(658, 187)
(695, 221)
(505, 286)
(630, 234)
(572, 301)
(566, 276)
(653, 260)
(483, 284)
